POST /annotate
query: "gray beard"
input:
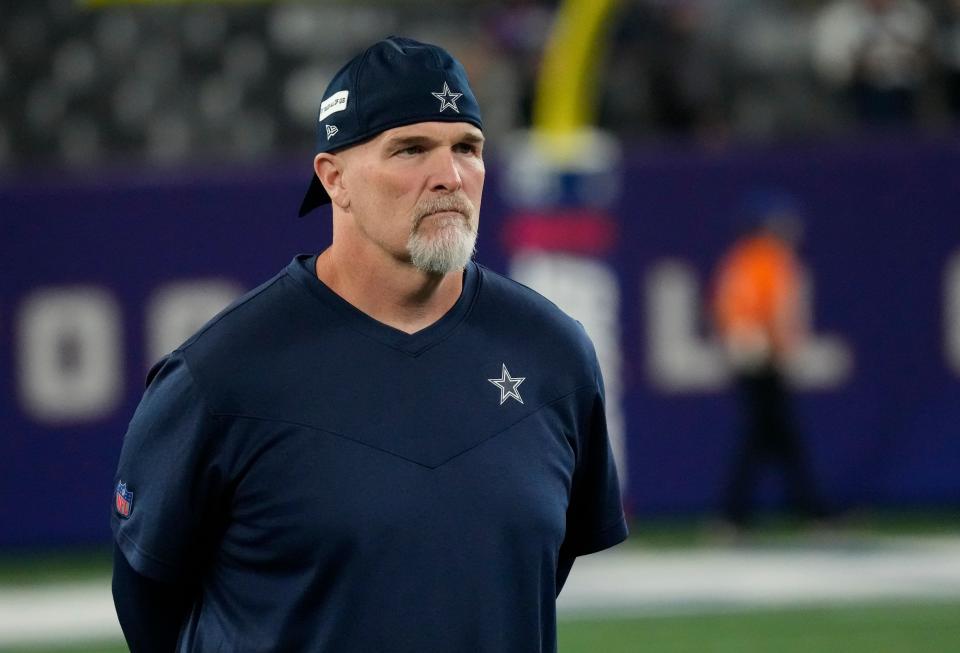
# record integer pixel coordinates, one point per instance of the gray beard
(448, 248)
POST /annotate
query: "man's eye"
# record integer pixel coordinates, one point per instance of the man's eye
(465, 148)
(410, 151)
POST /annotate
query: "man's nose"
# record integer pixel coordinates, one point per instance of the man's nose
(445, 173)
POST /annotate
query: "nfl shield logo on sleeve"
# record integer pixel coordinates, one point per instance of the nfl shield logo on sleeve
(123, 500)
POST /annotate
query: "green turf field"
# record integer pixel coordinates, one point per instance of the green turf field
(926, 628)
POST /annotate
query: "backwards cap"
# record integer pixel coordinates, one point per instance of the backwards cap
(394, 82)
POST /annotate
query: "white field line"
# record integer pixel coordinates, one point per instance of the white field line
(618, 582)
(606, 584)
(65, 613)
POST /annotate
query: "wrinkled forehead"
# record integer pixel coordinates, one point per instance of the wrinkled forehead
(443, 131)
(438, 131)
(419, 133)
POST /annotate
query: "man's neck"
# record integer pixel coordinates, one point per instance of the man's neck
(392, 292)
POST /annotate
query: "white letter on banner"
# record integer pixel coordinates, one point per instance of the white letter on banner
(177, 310)
(823, 361)
(679, 359)
(586, 289)
(69, 344)
(951, 311)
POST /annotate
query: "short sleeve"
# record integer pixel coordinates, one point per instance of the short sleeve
(595, 519)
(169, 482)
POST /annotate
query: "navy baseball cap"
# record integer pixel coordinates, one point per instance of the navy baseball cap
(394, 82)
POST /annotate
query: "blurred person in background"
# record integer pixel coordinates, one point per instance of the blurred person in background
(877, 52)
(686, 76)
(758, 312)
(669, 76)
(386, 447)
(948, 54)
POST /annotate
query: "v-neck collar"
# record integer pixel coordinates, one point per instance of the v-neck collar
(303, 269)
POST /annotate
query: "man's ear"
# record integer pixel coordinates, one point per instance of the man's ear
(329, 170)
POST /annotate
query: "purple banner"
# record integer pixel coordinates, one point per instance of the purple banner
(100, 279)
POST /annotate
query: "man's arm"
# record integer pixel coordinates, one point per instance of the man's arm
(564, 565)
(595, 518)
(166, 526)
(151, 613)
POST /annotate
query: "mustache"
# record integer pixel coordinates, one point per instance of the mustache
(443, 204)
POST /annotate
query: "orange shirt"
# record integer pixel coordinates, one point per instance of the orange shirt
(756, 293)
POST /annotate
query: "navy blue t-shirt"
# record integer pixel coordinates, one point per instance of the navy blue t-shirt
(339, 485)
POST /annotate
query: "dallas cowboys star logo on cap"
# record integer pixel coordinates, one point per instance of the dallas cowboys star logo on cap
(448, 99)
(508, 385)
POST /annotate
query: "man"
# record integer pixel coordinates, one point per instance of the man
(386, 447)
(758, 312)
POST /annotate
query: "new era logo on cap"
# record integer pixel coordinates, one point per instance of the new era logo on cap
(392, 83)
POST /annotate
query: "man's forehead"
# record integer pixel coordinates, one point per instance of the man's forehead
(433, 129)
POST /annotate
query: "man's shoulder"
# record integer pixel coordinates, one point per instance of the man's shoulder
(248, 313)
(513, 295)
(251, 330)
(522, 309)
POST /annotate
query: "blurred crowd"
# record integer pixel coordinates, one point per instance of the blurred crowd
(96, 83)
(780, 69)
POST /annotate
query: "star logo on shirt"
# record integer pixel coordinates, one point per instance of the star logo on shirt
(508, 385)
(448, 99)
